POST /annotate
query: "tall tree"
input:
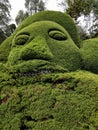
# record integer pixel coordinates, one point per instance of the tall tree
(77, 8)
(34, 6)
(10, 29)
(94, 27)
(4, 14)
(21, 16)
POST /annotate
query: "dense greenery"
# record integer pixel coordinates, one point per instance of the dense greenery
(90, 54)
(5, 48)
(61, 51)
(47, 15)
(49, 101)
(42, 82)
(78, 7)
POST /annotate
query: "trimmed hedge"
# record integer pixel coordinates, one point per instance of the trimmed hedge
(46, 41)
(67, 101)
(5, 48)
(90, 55)
(58, 17)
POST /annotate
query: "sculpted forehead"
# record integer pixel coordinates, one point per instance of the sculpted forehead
(61, 18)
(41, 28)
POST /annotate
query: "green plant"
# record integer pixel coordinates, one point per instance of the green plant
(90, 54)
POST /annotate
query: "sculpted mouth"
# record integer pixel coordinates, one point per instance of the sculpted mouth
(36, 67)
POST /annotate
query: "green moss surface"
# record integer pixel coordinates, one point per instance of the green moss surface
(90, 55)
(5, 48)
(56, 101)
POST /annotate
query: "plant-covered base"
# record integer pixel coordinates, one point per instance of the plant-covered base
(56, 101)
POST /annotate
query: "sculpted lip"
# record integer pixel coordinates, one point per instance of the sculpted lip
(36, 67)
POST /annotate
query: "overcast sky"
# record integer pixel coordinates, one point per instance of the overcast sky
(19, 5)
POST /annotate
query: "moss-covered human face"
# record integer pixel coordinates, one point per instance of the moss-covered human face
(43, 47)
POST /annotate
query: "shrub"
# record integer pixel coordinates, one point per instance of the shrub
(5, 48)
(48, 41)
(90, 55)
(58, 17)
(49, 101)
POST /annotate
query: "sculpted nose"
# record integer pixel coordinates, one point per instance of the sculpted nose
(36, 49)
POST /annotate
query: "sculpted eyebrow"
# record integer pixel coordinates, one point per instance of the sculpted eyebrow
(52, 29)
(23, 33)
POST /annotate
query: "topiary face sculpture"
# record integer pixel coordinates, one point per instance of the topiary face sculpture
(43, 46)
(40, 86)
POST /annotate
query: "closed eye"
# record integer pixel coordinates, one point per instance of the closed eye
(21, 39)
(57, 35)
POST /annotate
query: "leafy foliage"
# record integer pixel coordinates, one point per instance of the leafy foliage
(78, 7)
(56, 101)
(5, 48)
(90, 54)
